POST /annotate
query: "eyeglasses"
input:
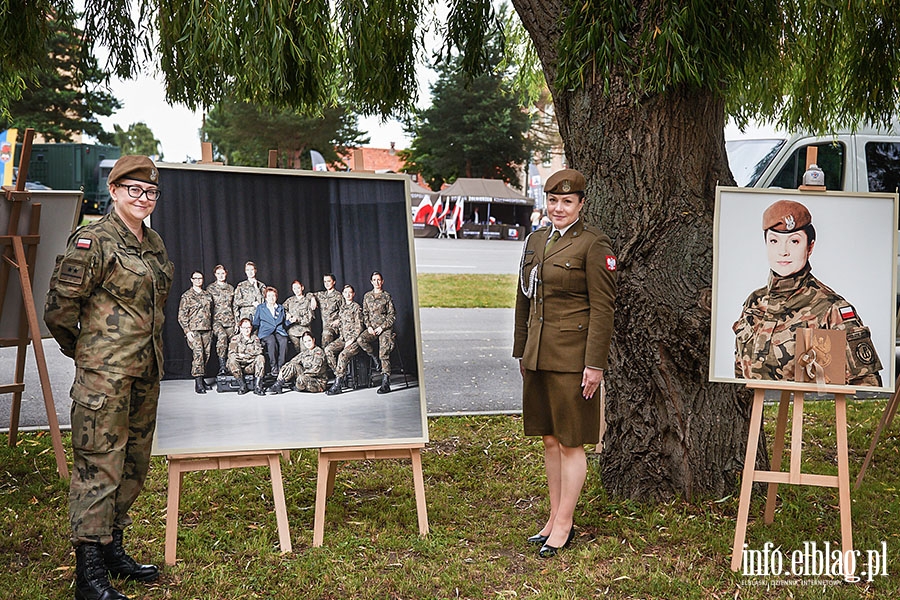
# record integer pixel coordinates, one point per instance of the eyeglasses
(136, 191)
(200, 277)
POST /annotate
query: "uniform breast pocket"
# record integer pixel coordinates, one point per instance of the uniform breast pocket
(125, 278)
(572, 273)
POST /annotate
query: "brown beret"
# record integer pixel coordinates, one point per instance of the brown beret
(567, 181)
(786, 216)
(131, 166)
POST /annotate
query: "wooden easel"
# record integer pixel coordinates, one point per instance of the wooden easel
(179, 464)
(886, 418)
(794, 475)
(16, 256)
(328, 457)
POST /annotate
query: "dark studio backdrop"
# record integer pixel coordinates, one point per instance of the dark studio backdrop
(293, 225)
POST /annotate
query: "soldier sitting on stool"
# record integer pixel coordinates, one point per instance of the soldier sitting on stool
(340, 351)
(306, 370)
(245, 355)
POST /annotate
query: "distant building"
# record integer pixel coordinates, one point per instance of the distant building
(374, 160)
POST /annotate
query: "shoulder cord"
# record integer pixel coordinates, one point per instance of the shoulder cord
(532, 277)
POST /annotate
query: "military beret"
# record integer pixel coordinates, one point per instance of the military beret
(132, 166)
(786, 216)
(567, 181)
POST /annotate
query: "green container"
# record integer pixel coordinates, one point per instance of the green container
(73, 167)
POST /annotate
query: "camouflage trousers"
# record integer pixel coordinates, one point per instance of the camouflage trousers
(295, 333)
(200, 347)
(303, 382)
(385, 345)
(113, 417)
(237, 368)
(329, 334)
(338, 355)
(223, 336)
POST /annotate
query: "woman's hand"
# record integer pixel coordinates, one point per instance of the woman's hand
(521, 369)
(590, 382)
(190, 337)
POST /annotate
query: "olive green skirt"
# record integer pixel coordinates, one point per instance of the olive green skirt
(552, 404)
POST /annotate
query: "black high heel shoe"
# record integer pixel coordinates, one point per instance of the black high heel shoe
(548, 551)
(538, 539)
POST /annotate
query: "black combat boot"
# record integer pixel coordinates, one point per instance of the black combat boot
(91, 581)
(119, 564)
(199, 385)
(336, 387)
(258, 388)
(385, 384)
(242, 386)
(222, 369)
(277, 387)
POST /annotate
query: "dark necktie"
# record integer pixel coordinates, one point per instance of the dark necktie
(553, 237)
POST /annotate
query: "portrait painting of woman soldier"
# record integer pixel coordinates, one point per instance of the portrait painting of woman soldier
(794, 299)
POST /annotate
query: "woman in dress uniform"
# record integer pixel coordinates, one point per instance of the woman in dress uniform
(564, 324)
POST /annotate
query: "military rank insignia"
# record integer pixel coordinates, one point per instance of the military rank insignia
(72, 272)
(610, 262)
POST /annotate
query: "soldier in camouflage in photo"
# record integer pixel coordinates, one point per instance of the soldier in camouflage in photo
(378, 318)
(248, 294)
(306, 370)
(329, 302)
(346, 346)
(195, 317)
(105, 309)
(245, 355)
(793, 299)
(299, 314)
(223, 328)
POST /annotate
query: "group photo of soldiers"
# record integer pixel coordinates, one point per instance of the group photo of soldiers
(273, 344)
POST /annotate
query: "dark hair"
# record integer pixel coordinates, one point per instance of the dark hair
(196, 273)
(298, 283)
(309, 335)
(347, 285)
(333, 278)
(249, 263)
(374, 273)
(241, 322)
(217, 267)
(271, 289)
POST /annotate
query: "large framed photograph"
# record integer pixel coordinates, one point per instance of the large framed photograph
(295, 226)
(786, 261)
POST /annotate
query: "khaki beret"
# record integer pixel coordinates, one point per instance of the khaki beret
(786, 216)
(131, 166)
(567, 181)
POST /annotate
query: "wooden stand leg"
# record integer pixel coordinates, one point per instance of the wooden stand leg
(777, 451)
(840, 410)
(324, 478)
(419, 484)
(172, 502)
(16, 406)
(886, 418)
(740, 531)
(284, 538)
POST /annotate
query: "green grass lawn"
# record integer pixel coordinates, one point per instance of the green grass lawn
(485, 491)
(466, 291)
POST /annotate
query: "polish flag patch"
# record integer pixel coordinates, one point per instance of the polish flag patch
(847, 312)
(83, 243)
(610, 262)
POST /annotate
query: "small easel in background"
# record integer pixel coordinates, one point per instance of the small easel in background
(17, 257)
(206, 154)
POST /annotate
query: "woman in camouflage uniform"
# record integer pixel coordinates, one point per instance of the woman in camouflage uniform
(378, 318)
(793, 299)
(105, 309)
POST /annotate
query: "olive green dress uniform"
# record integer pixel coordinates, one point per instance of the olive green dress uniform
(329, 302)
(564, 322)
(766, 331)
(378, 311)
(247, 296)
(306, 370)
(223, 324)
(245, 355)
(105, 309)
(195, 315)
(340, 351)
(301, 315)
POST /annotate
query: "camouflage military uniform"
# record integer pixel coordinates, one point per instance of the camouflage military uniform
(766, 330)
(340, 351)
(245, 355)
(330, 303)
(223, 317)
(195, 315)
(247, 297)
(378, 311)
(307, 370)
(301, 315)
(105, 309)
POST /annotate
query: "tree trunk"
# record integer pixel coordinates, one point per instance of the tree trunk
(651, 167)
